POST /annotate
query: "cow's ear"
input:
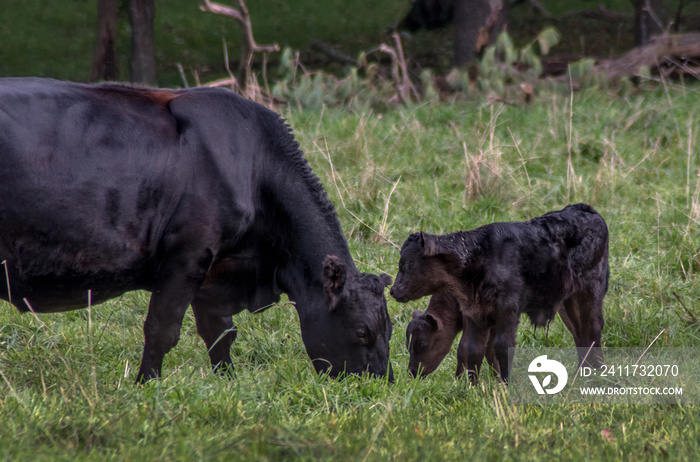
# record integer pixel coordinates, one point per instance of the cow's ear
(417, 314)
(429, 244)
(432, 320)
(334, 277)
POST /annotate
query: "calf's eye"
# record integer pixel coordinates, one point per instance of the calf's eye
(361, 332)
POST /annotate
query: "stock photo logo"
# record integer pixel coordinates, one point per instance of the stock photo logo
(544, 368)
(634, 375)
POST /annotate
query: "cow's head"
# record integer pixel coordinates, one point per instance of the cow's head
(424, 268)
(353, 334)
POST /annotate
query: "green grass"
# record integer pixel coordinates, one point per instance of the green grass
(66, 380)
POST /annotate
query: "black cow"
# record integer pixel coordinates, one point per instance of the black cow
(556, 263)
(199, 196)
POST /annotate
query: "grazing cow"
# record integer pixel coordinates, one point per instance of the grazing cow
(556, 263)
(199, 196)
(431, 333)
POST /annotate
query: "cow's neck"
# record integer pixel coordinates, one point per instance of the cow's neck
(307, 231)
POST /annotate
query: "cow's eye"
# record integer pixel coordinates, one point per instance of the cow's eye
(364, 336)
(407, 266)
(423, 345)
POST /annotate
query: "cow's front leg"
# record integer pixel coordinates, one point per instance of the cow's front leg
(170, 299)
(218, 333)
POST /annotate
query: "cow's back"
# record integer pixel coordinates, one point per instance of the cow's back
(93, 177)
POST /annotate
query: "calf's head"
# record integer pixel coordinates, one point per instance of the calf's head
(354, 335)
(425, 267)
(430, 334)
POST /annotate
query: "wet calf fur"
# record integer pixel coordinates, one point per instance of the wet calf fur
(556, 263)
(431, 333)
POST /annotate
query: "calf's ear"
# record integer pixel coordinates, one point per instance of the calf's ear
(385, 278)
(432, 320)
(417, 314)
(429, 243)
(334, 276)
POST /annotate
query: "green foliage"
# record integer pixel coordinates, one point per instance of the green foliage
(429, 92)
(503, 67)
(548, 38)
(459, 81)
(66, 390)
(581, 74)
(361, 86)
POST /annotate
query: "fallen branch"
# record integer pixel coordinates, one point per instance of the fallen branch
(652, 54)
(332, 53)
(601, 14)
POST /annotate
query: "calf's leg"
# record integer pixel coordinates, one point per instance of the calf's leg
(472, 348)
(584, 311)
(462, 352)
(491, 356)
(504, 338)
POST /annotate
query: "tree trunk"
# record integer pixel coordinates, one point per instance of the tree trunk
(477, 24)
(428, 14)
(142, 65)
(104, 61)
(648, 20)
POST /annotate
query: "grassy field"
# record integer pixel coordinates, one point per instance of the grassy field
(66, 380)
